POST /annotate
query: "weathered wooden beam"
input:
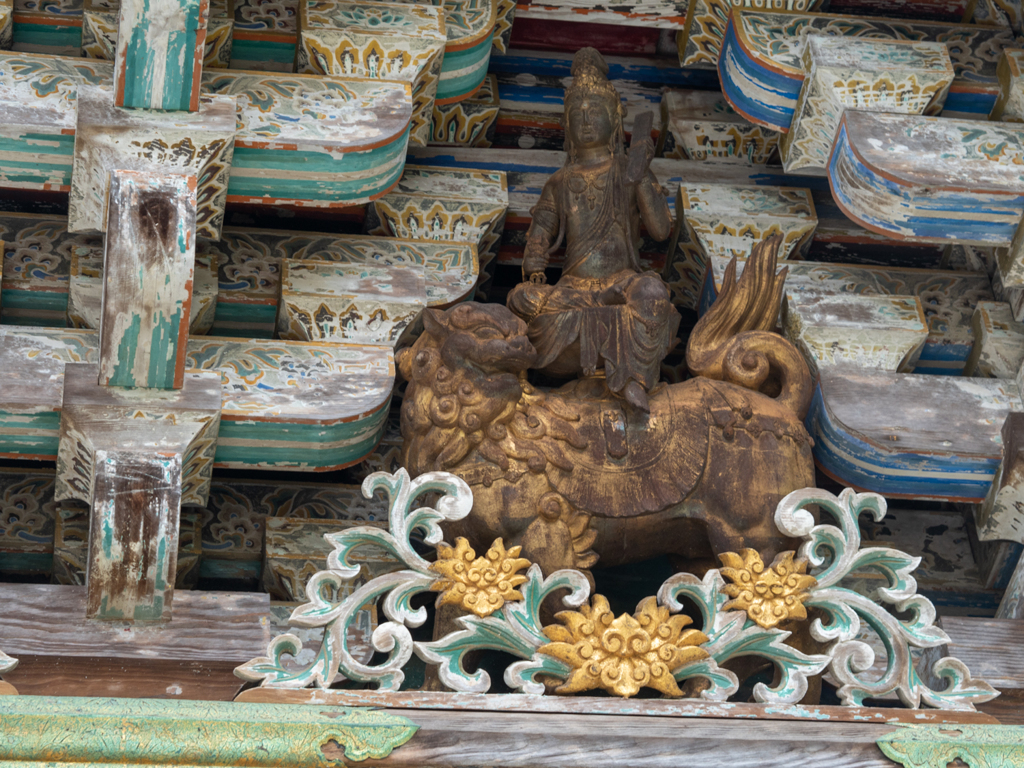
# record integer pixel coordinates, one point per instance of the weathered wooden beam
(469, 27)
(923, 437)
(700, 125)
(159, 58)
(38, 30)
(761, 68)
(61, 653)
(678, 714)
(930, 180)
(149, 259)
(326, 301)
(135, 456)
(321, 142)
(149, 140)
(649, 14)
(347, 37)
(71, 546)
(272, 414)
(884, 333)
(893, 76)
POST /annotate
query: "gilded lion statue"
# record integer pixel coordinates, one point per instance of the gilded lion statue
(576, 477)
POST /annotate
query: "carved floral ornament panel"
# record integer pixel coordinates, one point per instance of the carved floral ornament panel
(747, 608)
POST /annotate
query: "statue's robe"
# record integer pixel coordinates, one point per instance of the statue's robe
(572, 327)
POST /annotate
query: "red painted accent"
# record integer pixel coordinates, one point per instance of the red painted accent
(545, 35)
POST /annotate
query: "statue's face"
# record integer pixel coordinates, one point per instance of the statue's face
(590, 124)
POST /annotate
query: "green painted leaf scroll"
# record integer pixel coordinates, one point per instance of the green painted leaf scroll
(43, 729)
(936, 746)
(730, 628)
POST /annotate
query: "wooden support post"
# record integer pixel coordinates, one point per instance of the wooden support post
(147, 287)
(159, 59)
(1010, 105)
(135, 456)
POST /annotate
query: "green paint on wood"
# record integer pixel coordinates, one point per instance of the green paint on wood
(936, 746)
(83, 731)
(127, 348)
(158, 64)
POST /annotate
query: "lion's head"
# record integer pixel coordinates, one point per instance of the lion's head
(466, 374)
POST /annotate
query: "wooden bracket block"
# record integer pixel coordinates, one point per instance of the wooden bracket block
(1001, 515)
(135, 456)
(715, 220)
(324, 301)
(147, 282)
(199, 144)
(461, 205)
(159, 58)
(393, 41)
(761, 63)
(470, 122)
(998, 342)
(895, 76)
(950, 297)
(1009, 107)
(250, 270)
(884, 333)
(702, 126)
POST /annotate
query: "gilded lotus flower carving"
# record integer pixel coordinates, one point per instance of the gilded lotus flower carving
(622, 655)
(478, 584)
(769, 595)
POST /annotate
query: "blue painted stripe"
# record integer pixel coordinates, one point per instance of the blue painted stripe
(957, 210)
(933, 476)
(637, 70)
(750, 74)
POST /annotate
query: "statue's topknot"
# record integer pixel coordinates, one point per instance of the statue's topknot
(590, 79)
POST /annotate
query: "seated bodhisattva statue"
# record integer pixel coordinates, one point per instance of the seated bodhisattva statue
(604, 313)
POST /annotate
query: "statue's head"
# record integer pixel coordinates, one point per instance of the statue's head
(593, 111)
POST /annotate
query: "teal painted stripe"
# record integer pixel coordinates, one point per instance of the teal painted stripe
(245, 313)
(53, 321)
(48, 35)
(25, 562)
(44, 144)
(258, 453)
(227, 569)
(44, 300)
(294, 163)
(44, 444)
(141, 73)
(258, 50)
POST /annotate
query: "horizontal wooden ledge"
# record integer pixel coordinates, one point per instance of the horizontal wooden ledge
(509, 704)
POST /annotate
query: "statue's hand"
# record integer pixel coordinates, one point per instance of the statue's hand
(534, 263)
(539, 278)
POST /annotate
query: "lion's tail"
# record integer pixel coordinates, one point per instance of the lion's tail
(734, 342)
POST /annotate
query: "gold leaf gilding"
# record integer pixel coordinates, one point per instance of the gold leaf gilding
(478, 584)
(622, 655)
(769, 595)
